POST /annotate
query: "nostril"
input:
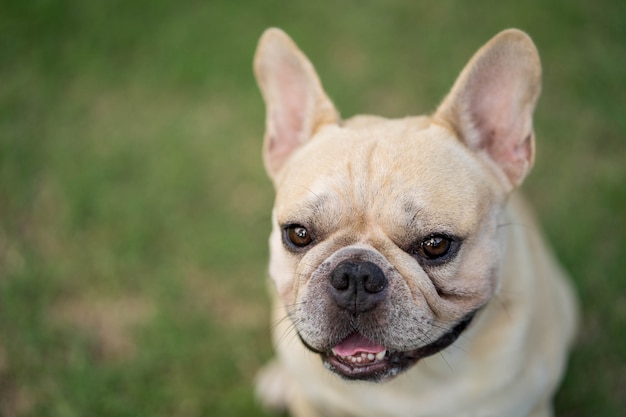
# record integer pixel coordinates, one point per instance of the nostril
(340, 280)
(375, 283)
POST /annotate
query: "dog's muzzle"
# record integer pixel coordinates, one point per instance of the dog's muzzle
(357, 287)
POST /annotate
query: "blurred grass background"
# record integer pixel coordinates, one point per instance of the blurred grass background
(134, 209)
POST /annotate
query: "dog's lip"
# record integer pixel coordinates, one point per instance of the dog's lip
(394, 362)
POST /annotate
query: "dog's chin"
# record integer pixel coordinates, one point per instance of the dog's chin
(385, 364)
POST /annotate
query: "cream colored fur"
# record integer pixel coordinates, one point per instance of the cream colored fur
(367, 188)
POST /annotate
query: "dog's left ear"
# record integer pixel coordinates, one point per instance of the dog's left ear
(297, 105)
(491, 104)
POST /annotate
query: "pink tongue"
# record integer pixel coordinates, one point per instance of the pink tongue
(357, 343)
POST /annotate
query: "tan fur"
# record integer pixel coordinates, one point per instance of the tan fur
(367, 188)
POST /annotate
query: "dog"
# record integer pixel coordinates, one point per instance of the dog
(409, 278)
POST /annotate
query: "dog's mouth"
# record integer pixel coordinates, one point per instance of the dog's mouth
(359, 358)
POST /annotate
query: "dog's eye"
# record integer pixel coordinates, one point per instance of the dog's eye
(434, 247)
(298, 236)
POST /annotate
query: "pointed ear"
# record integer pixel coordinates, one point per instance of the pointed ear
(491, 104)
(297, 106)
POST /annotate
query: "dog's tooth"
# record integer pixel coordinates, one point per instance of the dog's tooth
(371, 356)
(381, 355)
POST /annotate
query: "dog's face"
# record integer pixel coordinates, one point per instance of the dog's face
(388, 252)
(384, 242)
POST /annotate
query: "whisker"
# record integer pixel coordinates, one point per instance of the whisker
(445, 361)
(290, 307)
(289, 333)
(440, 353)
(503, 305)
(280, 321)
(310, 191)
(516, 223)
(460, 337)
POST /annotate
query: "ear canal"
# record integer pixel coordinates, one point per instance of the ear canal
(491, 104)
(297, 105)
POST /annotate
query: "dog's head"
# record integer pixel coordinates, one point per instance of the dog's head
(384, 242)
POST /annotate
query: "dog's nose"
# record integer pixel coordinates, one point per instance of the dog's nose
(357, 286)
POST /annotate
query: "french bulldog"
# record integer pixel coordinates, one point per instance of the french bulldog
(409, 278)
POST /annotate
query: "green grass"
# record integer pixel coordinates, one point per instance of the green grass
(134, 209)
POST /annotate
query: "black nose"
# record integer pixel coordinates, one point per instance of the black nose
(357, 286)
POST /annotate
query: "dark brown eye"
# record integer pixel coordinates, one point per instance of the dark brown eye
(434, 247)
(298, 236)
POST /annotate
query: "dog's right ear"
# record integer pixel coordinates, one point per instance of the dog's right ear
(297, 105)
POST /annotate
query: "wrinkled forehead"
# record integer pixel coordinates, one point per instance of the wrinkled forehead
(423, 175)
